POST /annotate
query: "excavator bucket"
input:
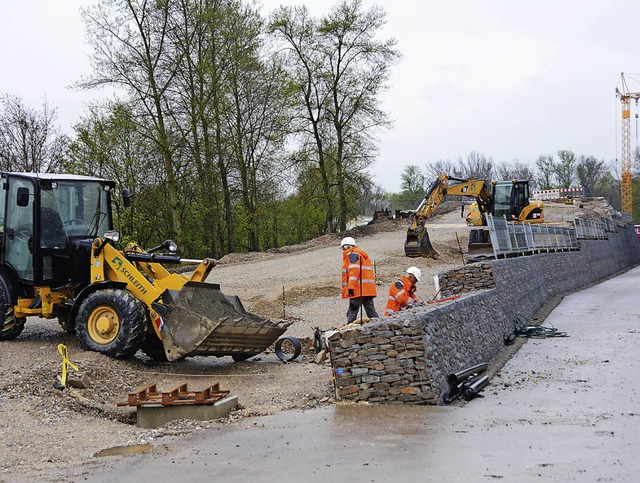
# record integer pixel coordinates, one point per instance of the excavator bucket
(419, 246)
(200, 320)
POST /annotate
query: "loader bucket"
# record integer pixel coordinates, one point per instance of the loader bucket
(416, 246)
(200, 320)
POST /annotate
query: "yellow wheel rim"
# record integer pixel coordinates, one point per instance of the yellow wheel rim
(103, 325)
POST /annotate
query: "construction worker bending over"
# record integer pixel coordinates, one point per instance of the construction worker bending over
(358, 280)
(402, 292)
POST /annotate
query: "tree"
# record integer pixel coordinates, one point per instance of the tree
(436, 168)
(547, 168)
(338, 69)
(132, 50)
(258, 119)
(590, 170)
(516, 170)
(608, 186)
(358, 68)
(565, 169)
(29, 139)
(108, 144)
(413, 186)
(475, 166)
(298, 31)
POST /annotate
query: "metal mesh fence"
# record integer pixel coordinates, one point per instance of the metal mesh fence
(509, 239)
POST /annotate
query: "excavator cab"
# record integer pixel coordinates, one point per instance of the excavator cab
(510, 198)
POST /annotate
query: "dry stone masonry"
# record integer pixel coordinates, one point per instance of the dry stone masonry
(470, 278)
(405, 358)
(385, 363)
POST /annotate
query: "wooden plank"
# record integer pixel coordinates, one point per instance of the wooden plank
(177, 395)
(139, 394)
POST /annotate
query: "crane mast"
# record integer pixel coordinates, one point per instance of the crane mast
(626, 183)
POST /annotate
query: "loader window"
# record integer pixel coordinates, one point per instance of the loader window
(52, 234)
(18, 236)
(83, 207)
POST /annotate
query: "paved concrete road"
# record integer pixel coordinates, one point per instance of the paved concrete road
(562, 409)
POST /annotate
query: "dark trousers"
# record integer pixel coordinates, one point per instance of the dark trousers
(354, 308)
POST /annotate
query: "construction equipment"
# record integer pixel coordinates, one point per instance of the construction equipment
(59, 259)
(626, 182)
(503, 198)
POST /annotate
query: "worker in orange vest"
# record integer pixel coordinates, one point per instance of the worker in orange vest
(358, 280)
(402, 292)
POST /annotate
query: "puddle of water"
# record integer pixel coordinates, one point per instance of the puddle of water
(124, 450)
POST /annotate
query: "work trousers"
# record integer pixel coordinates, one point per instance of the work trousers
(354, 308)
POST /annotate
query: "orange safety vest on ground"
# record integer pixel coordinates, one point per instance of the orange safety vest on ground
(401, 293)
(357, 274)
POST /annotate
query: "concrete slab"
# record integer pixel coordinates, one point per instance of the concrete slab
(153, 416)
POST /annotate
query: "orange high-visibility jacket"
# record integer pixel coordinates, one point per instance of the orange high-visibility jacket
(357, 274)
(401, 293)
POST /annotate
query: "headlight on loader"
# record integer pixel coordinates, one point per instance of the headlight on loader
(112, 236)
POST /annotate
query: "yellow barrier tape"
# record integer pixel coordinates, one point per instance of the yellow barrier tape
(62, 349)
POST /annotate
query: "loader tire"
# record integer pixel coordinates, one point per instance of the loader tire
(10, 325)
(112, 322)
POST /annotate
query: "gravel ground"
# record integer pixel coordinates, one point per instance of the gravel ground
(45, 428)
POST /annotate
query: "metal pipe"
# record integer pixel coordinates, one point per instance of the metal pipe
(458, 377)
(474, 389)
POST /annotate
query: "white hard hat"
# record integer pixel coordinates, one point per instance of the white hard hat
(415, 271)
(348, 241)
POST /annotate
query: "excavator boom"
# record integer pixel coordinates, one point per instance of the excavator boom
(500, 198)
(417, 243)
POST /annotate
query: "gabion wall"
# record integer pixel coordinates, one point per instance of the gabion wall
(405, 358)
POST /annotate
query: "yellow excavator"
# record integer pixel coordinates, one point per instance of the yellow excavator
(58, 259)
(508, 199)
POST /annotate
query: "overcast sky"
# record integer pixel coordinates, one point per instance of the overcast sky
(506, 78)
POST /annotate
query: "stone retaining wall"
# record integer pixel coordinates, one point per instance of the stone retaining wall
(405, 358)
(470, 278)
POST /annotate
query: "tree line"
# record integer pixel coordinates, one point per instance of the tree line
(563, 170)
(234, 132)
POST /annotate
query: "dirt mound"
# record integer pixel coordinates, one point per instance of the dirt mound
(332, 239)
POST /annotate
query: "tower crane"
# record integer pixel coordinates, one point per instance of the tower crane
(626, 183)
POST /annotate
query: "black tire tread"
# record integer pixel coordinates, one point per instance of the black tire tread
(10, 325)
(133, 323)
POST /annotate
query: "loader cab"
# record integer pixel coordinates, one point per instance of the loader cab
(48, 222)
(510, 198)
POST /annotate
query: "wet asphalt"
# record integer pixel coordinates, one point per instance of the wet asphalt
(561, 409)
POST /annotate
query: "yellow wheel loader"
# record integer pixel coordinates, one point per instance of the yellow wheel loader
(59, 259)
(501, 198)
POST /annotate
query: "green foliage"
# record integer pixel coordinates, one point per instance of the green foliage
(565, 169)
(635, 202)
(590, 170)
(546, 171)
